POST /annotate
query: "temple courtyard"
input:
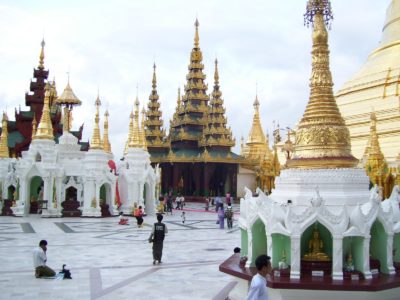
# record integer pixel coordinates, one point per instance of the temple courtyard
(110, 261)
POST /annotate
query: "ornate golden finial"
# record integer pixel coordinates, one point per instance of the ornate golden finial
(69, 100)
(4, 153)
(34, 127)
(128, 143)
(179, 100)
(142, 130)
(322, 138)
(96, 143)
(154, 81)
(216, 75)
(106, 141)
(41, 56)
(196, 35)
(45, 128)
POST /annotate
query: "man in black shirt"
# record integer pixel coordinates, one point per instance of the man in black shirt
(157, 238)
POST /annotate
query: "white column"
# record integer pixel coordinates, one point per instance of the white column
(389, 254)
(337, 258)
(141, 189)
(295, 257)
(366, 267)
(47, 188)
(269, 246)
(249, 247)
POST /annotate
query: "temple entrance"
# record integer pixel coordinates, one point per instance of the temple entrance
(71, 204)
(316, 250)
(259, 239)
(378, 254)
(11, 193)
(36, 190)
(217, 180)
(105, 200)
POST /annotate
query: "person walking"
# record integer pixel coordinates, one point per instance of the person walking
(221, 216)
(258, 287)
(157, 238)
(229, 217)
(139, 216)
(39, 261)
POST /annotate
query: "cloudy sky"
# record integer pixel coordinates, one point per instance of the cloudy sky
(111, 45)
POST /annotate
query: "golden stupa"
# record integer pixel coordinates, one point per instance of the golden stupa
(322, 139)
(376, 86)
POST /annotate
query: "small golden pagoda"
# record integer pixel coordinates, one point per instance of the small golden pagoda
(376, 84)
(375, 164)
(258, 154)
(45, 128)
(322, 138)
(4, 151)
(96, 142)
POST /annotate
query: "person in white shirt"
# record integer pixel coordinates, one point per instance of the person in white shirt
(39, 261)
(258, 286)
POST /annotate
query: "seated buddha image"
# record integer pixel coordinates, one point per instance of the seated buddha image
(316, 247)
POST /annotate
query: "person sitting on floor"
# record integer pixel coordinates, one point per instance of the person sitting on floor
(39, 261)
(122, 220)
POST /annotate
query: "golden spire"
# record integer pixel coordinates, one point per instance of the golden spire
(376, 165)
(106, 141)
(196, 35)
(142, 130)
(154, 81)
(216, 75)
(256, 137)
(135, 141)
(322, 138)
(96, 143)
(41, 56)
(179, 100)
(34, 126)
(128, 143)
(45, 128)
(4, 153)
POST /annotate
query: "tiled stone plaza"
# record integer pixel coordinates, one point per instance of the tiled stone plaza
(110, 261)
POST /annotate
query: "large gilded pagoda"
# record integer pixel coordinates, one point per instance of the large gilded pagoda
(195, 158)
(20, 130)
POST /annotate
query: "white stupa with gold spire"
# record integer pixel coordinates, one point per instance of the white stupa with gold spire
(100, 183)
(321, 209)
(137, 178)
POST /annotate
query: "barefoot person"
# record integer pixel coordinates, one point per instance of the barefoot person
(157, 238)
(39, 261)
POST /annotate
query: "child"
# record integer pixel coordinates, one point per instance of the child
(183, 217)
(122, 220)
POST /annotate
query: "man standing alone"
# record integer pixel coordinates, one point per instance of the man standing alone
(39, 261)
(157, 238)
(258, 286)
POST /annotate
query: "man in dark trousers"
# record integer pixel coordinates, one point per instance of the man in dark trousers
(157, 238)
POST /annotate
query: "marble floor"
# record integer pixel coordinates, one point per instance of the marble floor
(110, 261)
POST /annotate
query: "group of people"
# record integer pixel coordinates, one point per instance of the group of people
(137, 213)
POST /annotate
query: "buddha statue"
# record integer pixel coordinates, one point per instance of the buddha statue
(316, 246)
(282, 263)
(349, 265)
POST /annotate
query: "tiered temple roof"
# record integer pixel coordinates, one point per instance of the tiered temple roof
(155, 134)
(215, 133)
(20, 131)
